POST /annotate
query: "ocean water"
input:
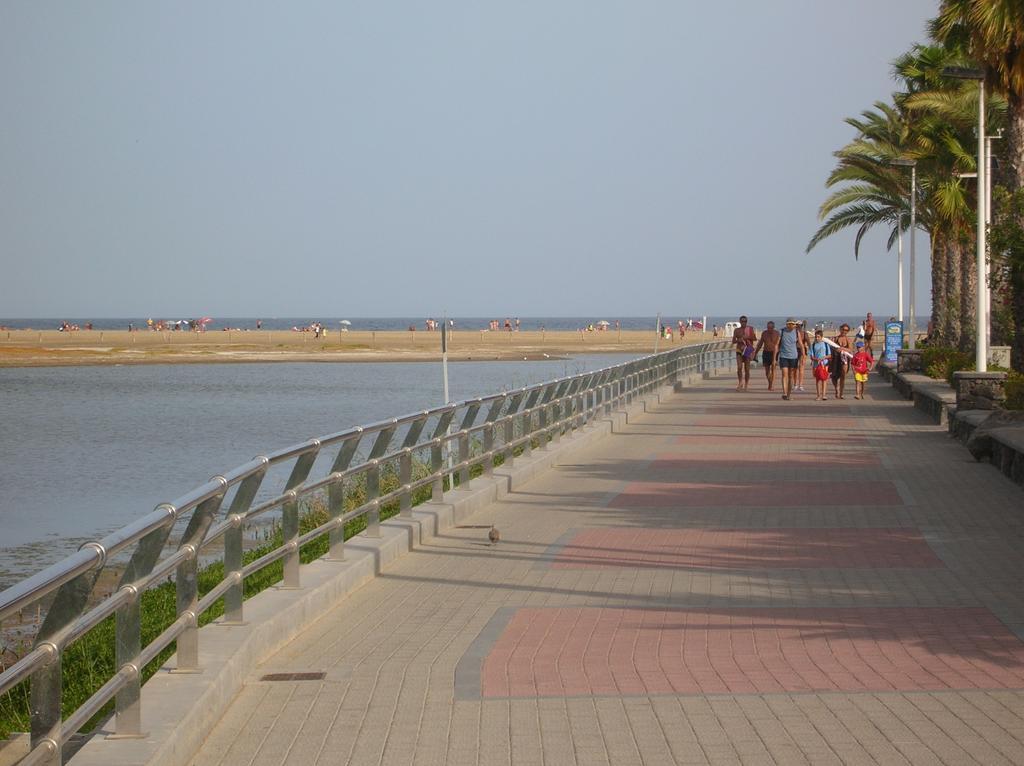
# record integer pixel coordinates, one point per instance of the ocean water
(84, 450)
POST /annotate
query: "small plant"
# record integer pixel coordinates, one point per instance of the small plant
(940, 362)
(1015, 391)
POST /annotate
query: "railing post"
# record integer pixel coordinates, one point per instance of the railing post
(373, 520)
(488, 448)
(372, 493)
(233, 597)
(46, 687)
(405, 478)
(186, 583)
(336, 509)
(528, 433)
(463, 457)
(127, 648)
(290, 533)
(510, 435)
(542, 427)
(558, 417)
(437, 470)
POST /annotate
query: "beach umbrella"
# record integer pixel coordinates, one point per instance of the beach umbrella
(205, 320)
(604, 322)
(344, 321)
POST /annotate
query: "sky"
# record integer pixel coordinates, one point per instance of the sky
(374, 158)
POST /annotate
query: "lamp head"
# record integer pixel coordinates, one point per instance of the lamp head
(963, 73)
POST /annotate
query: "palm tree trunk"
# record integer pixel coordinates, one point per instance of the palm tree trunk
(968, 295)
(951, 311)
(939, 296)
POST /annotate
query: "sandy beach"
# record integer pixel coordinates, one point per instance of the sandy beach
(36, 348)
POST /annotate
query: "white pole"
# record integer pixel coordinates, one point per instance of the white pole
(657, 334)
(899, 269)
(449, 455)
(988, 224)
(913, 253)
(444, 358)
(981, 336)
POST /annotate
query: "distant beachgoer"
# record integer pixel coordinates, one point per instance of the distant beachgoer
(517, 324)
(259, 324)
(743, 338)
(508, 324)
(869, 331)
(768, 346)
(791, 350)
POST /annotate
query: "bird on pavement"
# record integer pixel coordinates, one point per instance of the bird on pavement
(493, 535)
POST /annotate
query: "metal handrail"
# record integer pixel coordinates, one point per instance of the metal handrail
(540, 413)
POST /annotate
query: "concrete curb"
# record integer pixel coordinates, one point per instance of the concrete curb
(180, 710)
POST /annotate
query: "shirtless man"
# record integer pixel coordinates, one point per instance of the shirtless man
(768, 345)
(743, 338)
(869, 331)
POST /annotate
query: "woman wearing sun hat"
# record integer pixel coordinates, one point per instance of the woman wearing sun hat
(791, 351)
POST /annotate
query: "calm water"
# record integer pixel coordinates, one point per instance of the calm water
(83, 450)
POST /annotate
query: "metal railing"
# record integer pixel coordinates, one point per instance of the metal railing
(205, 519)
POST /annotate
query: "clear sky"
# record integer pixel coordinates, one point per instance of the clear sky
(374, 158)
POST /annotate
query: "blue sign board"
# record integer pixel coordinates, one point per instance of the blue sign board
(893, 340)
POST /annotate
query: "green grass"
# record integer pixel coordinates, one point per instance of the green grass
(89, 662)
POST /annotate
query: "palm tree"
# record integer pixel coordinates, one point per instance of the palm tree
(992, 33)
(875, 194)
(942, 114)
(929, 122)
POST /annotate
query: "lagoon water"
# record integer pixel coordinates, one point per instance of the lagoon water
(84, 450)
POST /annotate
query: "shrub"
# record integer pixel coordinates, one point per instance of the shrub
(1015, 391)
(941, 362)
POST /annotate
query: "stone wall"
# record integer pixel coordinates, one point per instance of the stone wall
(980, 390)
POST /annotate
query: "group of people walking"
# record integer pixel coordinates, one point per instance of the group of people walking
(789, 349)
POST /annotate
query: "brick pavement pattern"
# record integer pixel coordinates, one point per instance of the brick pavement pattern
(572, 651)
(727, 579)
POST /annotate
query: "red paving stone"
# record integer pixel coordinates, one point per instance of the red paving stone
(751, 423)
(554, 652)
(653, 494)
(747, 549)
(810, 458)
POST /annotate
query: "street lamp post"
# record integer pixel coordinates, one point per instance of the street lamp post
(981, 335)
(899, 269)
(912, 164)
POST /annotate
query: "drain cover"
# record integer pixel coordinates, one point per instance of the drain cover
(314, 676)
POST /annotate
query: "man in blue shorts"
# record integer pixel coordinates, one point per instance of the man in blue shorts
(791, 351)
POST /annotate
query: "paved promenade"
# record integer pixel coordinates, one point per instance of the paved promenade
(730, 578)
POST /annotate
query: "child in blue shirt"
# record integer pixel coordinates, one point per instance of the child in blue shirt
(821, 353)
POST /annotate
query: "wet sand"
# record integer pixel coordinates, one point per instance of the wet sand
(38, 348)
